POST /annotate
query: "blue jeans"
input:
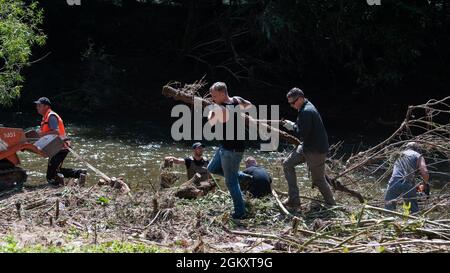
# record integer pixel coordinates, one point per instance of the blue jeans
(403, 189)
(226, 163)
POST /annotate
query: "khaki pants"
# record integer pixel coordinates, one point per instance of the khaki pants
(316, 164)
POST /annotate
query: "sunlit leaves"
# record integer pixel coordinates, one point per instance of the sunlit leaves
(19, 31)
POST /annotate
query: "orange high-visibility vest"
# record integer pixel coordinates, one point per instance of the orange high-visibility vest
(45, 128)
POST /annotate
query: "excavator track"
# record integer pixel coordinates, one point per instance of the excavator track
(11, 177)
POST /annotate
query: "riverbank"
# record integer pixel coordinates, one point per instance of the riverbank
(99, 219)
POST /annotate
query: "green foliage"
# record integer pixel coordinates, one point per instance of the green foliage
(406, 208)
(9, 245)
(19, 31)
(381, 249)
(103, 201)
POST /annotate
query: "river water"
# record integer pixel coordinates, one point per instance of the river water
(133, 150)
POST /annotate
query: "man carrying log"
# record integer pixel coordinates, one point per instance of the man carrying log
(53, 124)
(310, 130)
(228, 156)
(402, 183)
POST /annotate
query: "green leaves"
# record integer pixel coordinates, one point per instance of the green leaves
(103, 201)
(406, 208)
(19, 32)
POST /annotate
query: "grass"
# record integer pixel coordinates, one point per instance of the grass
(9, 244)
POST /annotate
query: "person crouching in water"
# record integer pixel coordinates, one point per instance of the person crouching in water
(196, 163)
(402, 183)
(199, 181)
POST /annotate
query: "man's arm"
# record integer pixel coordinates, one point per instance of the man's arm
(217, 113)
(53, 125)
(174, 159)
(243, 103)
(423, 170)
(303, 129)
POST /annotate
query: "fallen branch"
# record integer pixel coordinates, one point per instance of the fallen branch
(406, 216)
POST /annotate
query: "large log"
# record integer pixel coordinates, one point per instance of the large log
(179, 95)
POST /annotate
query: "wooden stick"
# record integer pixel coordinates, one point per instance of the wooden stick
(407, 216)
(412, 241)
(97, 171)
(261, 235)
(57, 209)
(281, 206)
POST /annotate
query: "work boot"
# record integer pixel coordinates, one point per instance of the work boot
(59, 179)
(235, 216)
(52, 182)
(288, 203)
(82, 179)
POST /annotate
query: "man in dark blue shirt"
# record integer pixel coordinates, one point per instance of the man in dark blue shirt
(310, 130)
(255, 179)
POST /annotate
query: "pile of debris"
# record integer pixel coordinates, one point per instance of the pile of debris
(101, 214)
(91, 215)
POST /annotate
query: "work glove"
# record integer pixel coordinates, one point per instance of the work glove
(424, 188)
(289, 125)
(248, 176)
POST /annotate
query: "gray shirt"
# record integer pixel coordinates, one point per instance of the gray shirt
(53, 122)
(406, 167)
(310, 130)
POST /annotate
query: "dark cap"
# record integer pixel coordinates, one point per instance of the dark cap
(43, 100)
(196, 145)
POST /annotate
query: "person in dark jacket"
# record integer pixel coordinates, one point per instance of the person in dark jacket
(255, 179)
(310, 130)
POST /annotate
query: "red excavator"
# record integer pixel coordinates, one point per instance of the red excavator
(13, 140)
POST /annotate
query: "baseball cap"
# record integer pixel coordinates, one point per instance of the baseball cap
(43, 100)
(197, 144)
